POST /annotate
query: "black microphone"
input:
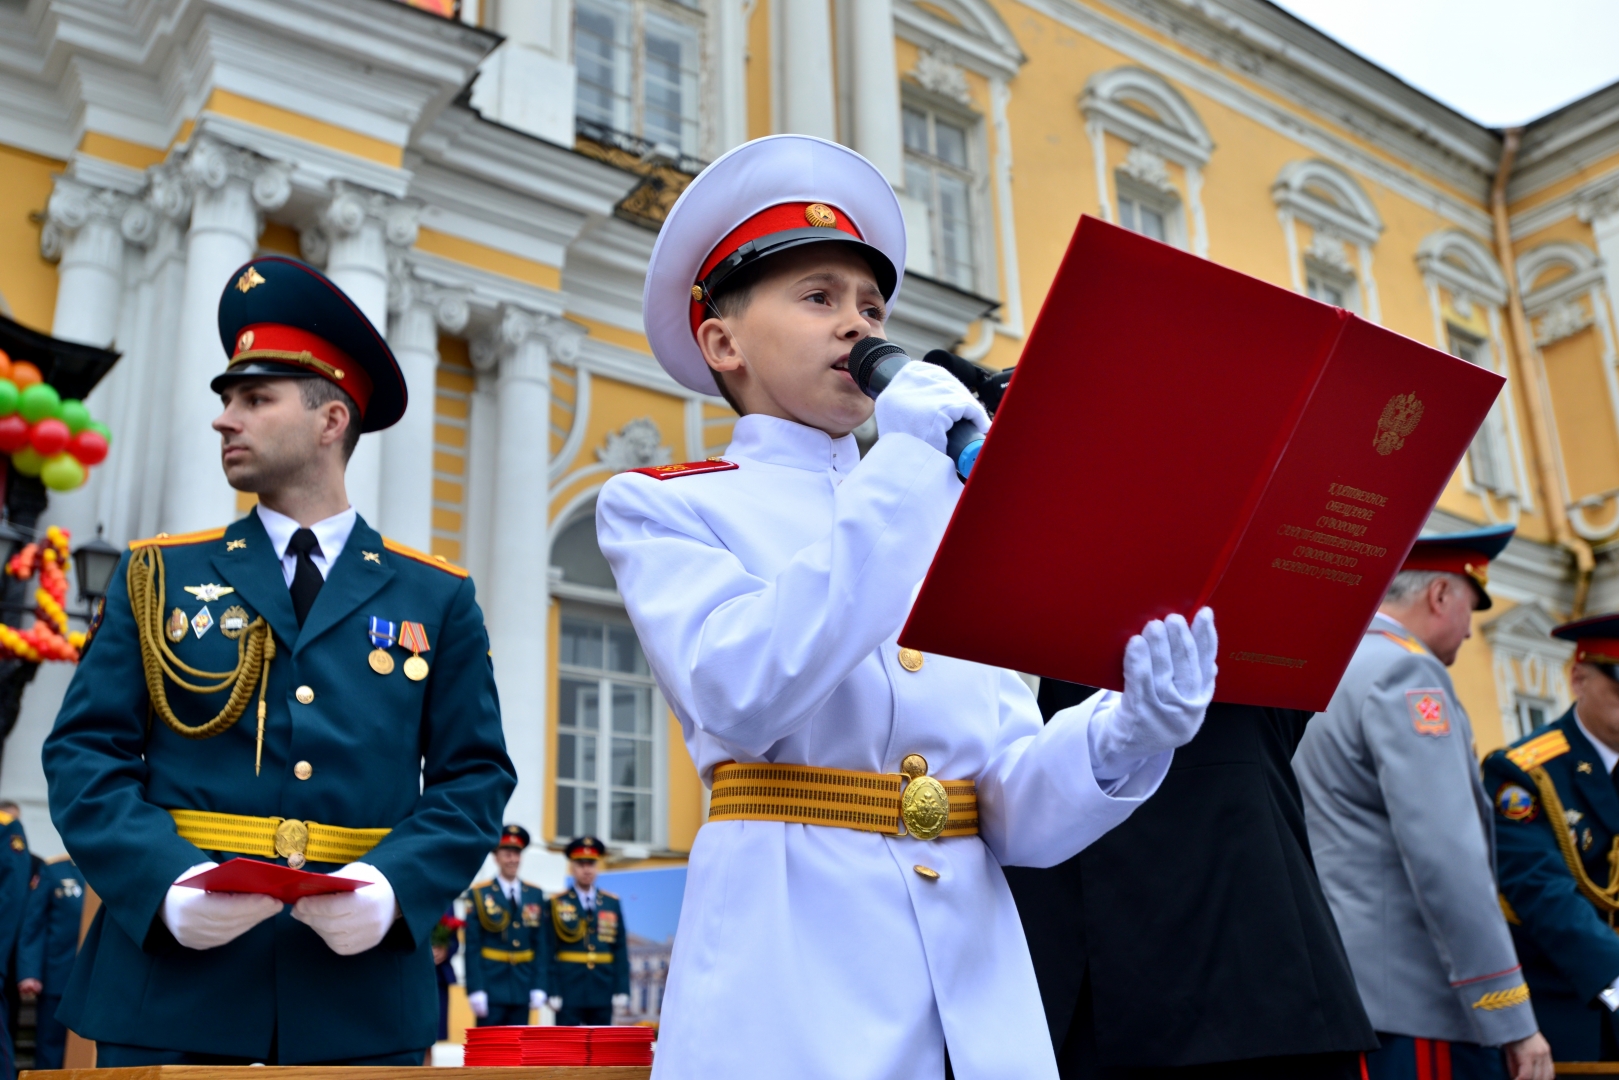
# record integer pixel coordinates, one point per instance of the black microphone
(874, 362)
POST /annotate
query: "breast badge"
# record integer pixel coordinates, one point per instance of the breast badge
(18, 844)
(178, 624)
(607, 927)
(209, 593)
(201, 621)
(1427, 708)
(382, 635)
(413, 636)
(233, 622)
(1515, 803)
(531, 914)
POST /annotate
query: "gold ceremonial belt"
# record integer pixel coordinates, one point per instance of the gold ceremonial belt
(905, 803)
(586, 957)
(288, 838)
(507, 956)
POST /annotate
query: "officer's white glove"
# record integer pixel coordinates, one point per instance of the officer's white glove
(925, 400)
(1168, 684)
(351, 922)
(536, 999)
(556, 1004)
(206, 920)
(478, 1002)
(621, 1001)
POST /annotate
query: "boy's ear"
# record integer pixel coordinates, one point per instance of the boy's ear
(718, 346)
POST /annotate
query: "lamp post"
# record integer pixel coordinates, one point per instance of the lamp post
(93, 563)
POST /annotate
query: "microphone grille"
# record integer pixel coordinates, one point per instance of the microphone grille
(867, 353)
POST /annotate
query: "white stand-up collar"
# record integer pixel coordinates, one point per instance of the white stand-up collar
(332, 533)
(774, 441)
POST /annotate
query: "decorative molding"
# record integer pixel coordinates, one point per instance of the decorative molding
(938, 73)
(1582, 269)
(1563, 319)
(1324, 196)
(1328, 250)
(1527, 660)
(636, 445)
(972, 32)
(1463, 265)
(1145, 164)
(1142, 108)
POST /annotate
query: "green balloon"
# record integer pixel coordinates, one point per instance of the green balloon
(103, 429)
(75, 414)
(28, 461)
(61, 472)
(40, 402)
(8, 397)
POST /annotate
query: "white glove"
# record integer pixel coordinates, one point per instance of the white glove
(925, 400)
(536, 999)
(621, 1001)
(1168, 684)
(555, 1003)
(478, 1002)
(206, 920)
(351, 922)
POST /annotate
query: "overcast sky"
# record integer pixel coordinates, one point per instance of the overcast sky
(1500, 62)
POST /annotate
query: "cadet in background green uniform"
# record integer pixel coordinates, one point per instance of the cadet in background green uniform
(45, 952)
(292, 688)
(588, 945)
(505, 957)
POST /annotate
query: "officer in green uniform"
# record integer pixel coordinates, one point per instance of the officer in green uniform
(505, 931)
(1557, 852)
(587, 943)
(16, 869)
(45, 952)
(293, 688)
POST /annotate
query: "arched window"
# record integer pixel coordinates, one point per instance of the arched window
(1156, 190)
(1466, 292)
(1335, 266)
(611, 750)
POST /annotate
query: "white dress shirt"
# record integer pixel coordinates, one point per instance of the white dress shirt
(332, 534)
(513, 888)
(587, 897)
(768, 600)
(1609, 756)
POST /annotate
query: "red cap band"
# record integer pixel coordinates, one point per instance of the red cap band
(290, 345)
(779, 218)
(1449, 560)
(1597, 650)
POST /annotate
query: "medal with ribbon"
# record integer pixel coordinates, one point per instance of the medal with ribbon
(382, 635)
(413, 636)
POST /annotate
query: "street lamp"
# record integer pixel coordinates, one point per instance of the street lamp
(94, 562)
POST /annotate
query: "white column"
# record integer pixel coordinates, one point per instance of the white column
(875, 76)
(357, 228)
(484, 423)
(730, 59)
(84, 226)
(805, 41)
(1605, 228)
(230, 190)
(406, 511)
(518, 601)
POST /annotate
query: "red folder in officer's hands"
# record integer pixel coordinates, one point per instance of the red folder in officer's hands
(1180, 434)
(272, 879)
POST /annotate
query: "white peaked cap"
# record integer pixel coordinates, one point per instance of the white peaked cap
(743, 182)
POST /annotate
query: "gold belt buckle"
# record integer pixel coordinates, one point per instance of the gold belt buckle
(925, 806)
(292, 841)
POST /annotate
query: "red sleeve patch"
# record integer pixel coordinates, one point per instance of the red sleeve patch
(1427, 708)
(689, 468)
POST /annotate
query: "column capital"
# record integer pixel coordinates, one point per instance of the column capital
(347, 212)
(74, 204)
(209, 164)
(511, 344)
(451, 308)
(1600, 202)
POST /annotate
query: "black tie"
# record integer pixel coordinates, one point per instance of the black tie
(306, 579)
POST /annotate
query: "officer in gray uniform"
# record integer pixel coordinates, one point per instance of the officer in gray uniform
(1403, 838)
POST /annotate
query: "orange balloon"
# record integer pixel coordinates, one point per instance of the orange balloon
(5, 365)
(25, 374)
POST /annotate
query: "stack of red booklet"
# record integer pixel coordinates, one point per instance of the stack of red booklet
(487, 1046)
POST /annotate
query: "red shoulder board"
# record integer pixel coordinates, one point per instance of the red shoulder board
(690, 468)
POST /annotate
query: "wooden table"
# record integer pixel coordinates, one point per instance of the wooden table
(322, 1072)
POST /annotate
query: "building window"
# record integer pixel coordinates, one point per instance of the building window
(1534, 713)
(1318, 286)
(638, 71)
(1138, 217)
(938, 171)
(1489, 458)
(605, 729)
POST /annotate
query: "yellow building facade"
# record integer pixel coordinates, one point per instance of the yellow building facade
(488, 183)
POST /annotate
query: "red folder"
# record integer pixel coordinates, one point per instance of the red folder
(272, 879)
(1180, 434)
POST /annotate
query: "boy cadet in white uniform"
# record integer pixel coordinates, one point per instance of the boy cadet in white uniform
(817, 939)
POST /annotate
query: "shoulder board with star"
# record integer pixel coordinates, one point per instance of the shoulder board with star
(6, 819)
(165, 540)
(476, 885)
(688, 468)
(1408, 644)
(1539, 750)
(608, 895)
(437, 562)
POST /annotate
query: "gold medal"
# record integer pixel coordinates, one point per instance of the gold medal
(382, 663)
(413, 636)
(415, 668)
(178, 625)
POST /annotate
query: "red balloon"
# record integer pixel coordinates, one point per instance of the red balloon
(13, 433)
(49, 437)
(89, 447)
